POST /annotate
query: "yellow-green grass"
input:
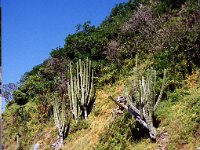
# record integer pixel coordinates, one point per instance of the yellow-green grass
(178, 113)
(180, 116)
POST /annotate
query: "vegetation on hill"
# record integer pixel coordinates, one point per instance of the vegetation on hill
(165, 34)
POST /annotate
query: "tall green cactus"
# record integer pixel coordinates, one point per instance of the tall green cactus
(142, 98)
(72, 93)
(62, 121)
(81, 89)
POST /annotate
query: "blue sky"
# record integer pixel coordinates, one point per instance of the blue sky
(32, 28)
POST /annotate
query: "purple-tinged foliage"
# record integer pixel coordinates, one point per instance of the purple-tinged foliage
(8, 90)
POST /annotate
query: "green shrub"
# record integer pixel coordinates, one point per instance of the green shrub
(115, 136)
(82, 124)
(121, 133)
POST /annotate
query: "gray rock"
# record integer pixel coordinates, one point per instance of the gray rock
(36, 146)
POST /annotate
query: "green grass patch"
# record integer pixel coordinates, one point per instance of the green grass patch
(179, 114)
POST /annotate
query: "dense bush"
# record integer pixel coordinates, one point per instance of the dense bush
(121, 133)
(173, 3)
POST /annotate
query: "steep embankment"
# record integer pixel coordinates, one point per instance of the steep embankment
(88, 137)
(178, 117)
(98, 120)
(178, 124)
(164, 33)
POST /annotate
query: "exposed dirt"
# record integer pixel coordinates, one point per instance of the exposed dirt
(182, 146)
(197, 133)
(162, 141)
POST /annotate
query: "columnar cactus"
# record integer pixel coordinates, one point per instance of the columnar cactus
(62, 121)
(81, 89)
(72, 93)
(141, 98)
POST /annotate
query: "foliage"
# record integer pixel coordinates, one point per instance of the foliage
(181, 107)
(117, 135)
(164, 33)
(22, 121)
(172, 3)
(122, 133)
(82, 124)
(7, 91)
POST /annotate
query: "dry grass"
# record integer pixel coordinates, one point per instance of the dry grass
(47, 137)
(88, 138)
(193, 80)
(174, 120)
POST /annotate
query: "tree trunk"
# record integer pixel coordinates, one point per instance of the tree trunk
(59, 143)
(60, 138)
(148, 124)
(85, 113)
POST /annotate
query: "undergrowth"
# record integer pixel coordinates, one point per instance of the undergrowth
(165, 37)
(180, 117)
(122, 133)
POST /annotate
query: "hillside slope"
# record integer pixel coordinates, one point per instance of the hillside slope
(164, 34)
(179, 126)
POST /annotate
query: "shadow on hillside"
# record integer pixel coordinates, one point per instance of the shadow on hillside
(156, 122)
(139, 132)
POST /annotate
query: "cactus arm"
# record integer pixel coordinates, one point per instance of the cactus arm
(81, 89)
(86, 79)
(132, 110)
(72, 90)
(84, 84)
(124, 106)
(61, 122)
(91, 90)
(81, 82)
(56, 116)
(161, 91)
(141, 98)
